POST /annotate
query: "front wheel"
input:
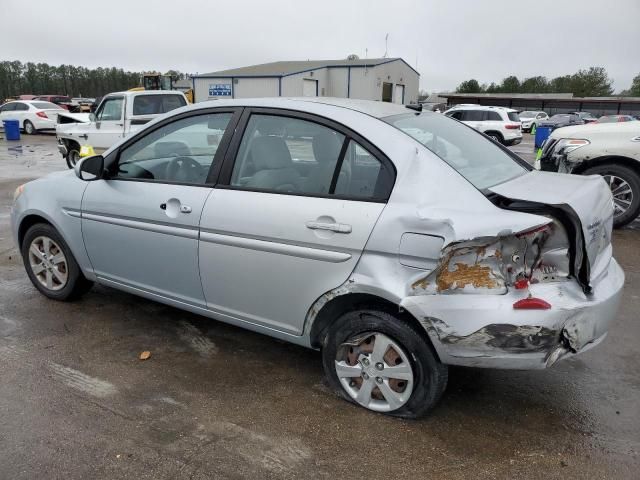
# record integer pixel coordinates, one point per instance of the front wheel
(73, 155)
(625, 188)
(383, 363)
(50, 264)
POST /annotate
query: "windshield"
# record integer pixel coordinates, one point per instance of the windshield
(474, 156)
(527, 114)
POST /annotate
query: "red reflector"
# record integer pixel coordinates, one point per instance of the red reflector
(511, 126)
(41, 114)
(531, 303)
(521, 284)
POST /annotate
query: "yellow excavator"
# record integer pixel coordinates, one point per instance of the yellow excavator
(157, 81)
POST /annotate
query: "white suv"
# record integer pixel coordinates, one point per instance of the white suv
(500, 123)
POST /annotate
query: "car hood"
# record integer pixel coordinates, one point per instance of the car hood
(583, 131)
(584, 202)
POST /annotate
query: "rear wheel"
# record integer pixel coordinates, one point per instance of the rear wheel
(50, 264)
(29, 129)
(625, 188)
(496, 137)
(382, 363)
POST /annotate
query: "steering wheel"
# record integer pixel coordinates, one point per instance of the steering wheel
(184, 169)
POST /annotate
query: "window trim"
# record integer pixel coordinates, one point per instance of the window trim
(104, 102)
(214, 170)
(224, 179)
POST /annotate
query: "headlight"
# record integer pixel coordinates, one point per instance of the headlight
(567, 145)
(18, 191)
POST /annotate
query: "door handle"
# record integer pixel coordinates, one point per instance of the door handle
(331, 227)
(185, 209)
(84, 135)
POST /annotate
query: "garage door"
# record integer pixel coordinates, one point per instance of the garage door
(309, 88)
(399, 94)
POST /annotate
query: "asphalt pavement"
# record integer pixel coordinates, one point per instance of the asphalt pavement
(215, 401)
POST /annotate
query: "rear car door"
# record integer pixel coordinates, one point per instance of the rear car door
(289, 218)
(108, 127)
(140, 225)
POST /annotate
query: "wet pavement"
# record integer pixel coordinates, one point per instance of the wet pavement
(215, 401)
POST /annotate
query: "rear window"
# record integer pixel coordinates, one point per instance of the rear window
(46, 106)
(61, 99)
(479, 160)
(513, 116)
(155, 104)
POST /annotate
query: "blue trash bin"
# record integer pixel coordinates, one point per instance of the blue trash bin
(11, 129)
(542, 133)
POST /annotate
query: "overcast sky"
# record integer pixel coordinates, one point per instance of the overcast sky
(447, 41)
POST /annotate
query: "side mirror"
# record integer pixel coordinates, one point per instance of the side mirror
(92, 117)
(90, 168)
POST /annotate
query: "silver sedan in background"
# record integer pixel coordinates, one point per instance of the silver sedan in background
(395, 241)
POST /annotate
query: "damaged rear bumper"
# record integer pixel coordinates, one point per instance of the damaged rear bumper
(485, 330)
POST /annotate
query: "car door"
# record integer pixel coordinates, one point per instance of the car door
(140, 225)
(7, 112)
(474, 118)
(108, 127)
(290, 217)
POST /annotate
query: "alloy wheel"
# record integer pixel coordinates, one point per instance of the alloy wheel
(622, 194)
(48, 263)
(28, 128)
(375, 372)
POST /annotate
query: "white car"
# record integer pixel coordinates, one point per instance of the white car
(33, 115)
(499, 123)
(531, 119)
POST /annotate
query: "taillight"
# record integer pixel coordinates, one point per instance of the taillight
(512, 126)
(41, 115)
(531, 303)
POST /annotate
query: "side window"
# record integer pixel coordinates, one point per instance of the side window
(181, 151)
(457, 115)
(287, 155)
(155, 104)
(541, 115)
(21, 107)
(110, 110)
(494, 116)
(363, 176)
(9, 107)
(473, 115)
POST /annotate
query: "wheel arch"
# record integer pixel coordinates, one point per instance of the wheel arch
(494, 132)
(331, 306)
(29, 221)
(606, 160)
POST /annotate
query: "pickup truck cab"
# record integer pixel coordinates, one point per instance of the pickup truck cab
(119, 115)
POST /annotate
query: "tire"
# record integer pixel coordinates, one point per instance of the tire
(73, 154)
(29, 129)
(624, 196)
(350, 346)
(496, 137)
(61, 278)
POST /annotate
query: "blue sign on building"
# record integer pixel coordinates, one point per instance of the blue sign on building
(220, 90)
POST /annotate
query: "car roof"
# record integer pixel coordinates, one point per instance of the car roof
(367, 107)
(143, 92)
(481, 107)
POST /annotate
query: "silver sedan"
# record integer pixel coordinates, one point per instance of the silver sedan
(395, 241)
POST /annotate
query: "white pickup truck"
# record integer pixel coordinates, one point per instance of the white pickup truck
(119, 115)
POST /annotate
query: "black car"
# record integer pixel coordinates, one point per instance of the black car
(562, 120)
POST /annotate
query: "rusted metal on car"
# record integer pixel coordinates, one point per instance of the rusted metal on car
(491, 264)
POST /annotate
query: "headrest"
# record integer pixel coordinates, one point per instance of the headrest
(171, 149)
(326, 147)
(270, 153)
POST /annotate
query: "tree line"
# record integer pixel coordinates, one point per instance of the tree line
(592, 82)
(17, 78)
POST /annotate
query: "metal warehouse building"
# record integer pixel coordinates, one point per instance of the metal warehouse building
(551, 103)
(384, 79)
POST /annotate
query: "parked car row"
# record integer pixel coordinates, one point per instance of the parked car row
(33, 115)
(499, 123)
